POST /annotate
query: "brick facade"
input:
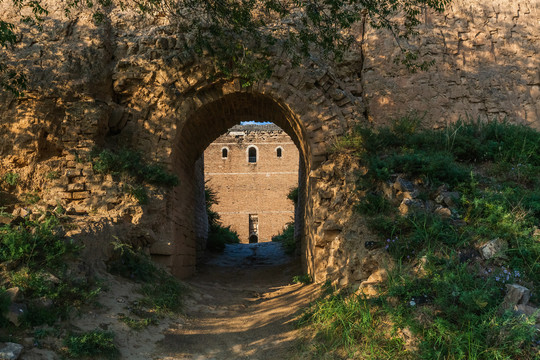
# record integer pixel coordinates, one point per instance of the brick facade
(255, 187)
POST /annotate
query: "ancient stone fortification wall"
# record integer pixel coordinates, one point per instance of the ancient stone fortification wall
(130, 82)
(487, 57)
(259, 188)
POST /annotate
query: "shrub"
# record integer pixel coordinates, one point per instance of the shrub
(95, 343)
(373, 204)
(219, 236)
(286, 238)
(302, 279)
(164, 295)
(131, 166)
(293, 195)
(128, 263)
(35, 244)
(131, 163)
(11, 178)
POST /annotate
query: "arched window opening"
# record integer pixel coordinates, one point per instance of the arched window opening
(252, 155)
(224, 153)
(279, 152)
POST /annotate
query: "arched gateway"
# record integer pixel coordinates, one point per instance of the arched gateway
(191, 112)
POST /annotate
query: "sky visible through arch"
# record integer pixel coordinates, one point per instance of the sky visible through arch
(255, 123)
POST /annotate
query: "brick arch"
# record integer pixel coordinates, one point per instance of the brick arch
(201, 127)
(181, 111)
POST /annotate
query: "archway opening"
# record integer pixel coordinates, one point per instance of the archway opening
(189, 223)
(248, 199)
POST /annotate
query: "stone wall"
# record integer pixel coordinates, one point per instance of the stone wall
(487, 65)
(258, 188)
(130, 82)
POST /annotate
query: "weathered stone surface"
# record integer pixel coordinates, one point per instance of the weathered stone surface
(403, 185)
(15, 294)
(121, 79)
(10, 351)
(443, 212)
(528, 311)
(410, 205)
(494, 248)
(515, 295)
(15, 313)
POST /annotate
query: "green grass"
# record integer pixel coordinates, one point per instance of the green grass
(449, 301)
(92, 344)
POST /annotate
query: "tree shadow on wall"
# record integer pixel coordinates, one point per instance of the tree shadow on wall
(486, 65)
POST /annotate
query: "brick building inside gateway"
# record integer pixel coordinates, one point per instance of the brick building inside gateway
(252, 168)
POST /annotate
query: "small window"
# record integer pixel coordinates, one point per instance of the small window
(224, 153)
(279, 152)
(252, 155)
(253, 228)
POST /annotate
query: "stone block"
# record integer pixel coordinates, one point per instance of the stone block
(515, 295)
(494, 248)
(10, 351)
(403, 185)
(80, 195)
(15, 312)
(76, 187)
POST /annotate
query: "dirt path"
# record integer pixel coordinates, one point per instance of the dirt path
(240, 311)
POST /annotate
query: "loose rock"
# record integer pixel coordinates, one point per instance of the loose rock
(516, 295)
(10, 351)
(494, 248)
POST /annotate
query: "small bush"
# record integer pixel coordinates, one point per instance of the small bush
(131, 163)
(373, 204)
(219, 236)
(130, 166)
(138, 324)
(162, 292)
(35, 245)
(65, 293)
(286, 238)
(293, 195)
(11, 178)
(95, 344)
(127, 262)
(302, 279)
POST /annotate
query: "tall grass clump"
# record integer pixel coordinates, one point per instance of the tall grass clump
(440, 290)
